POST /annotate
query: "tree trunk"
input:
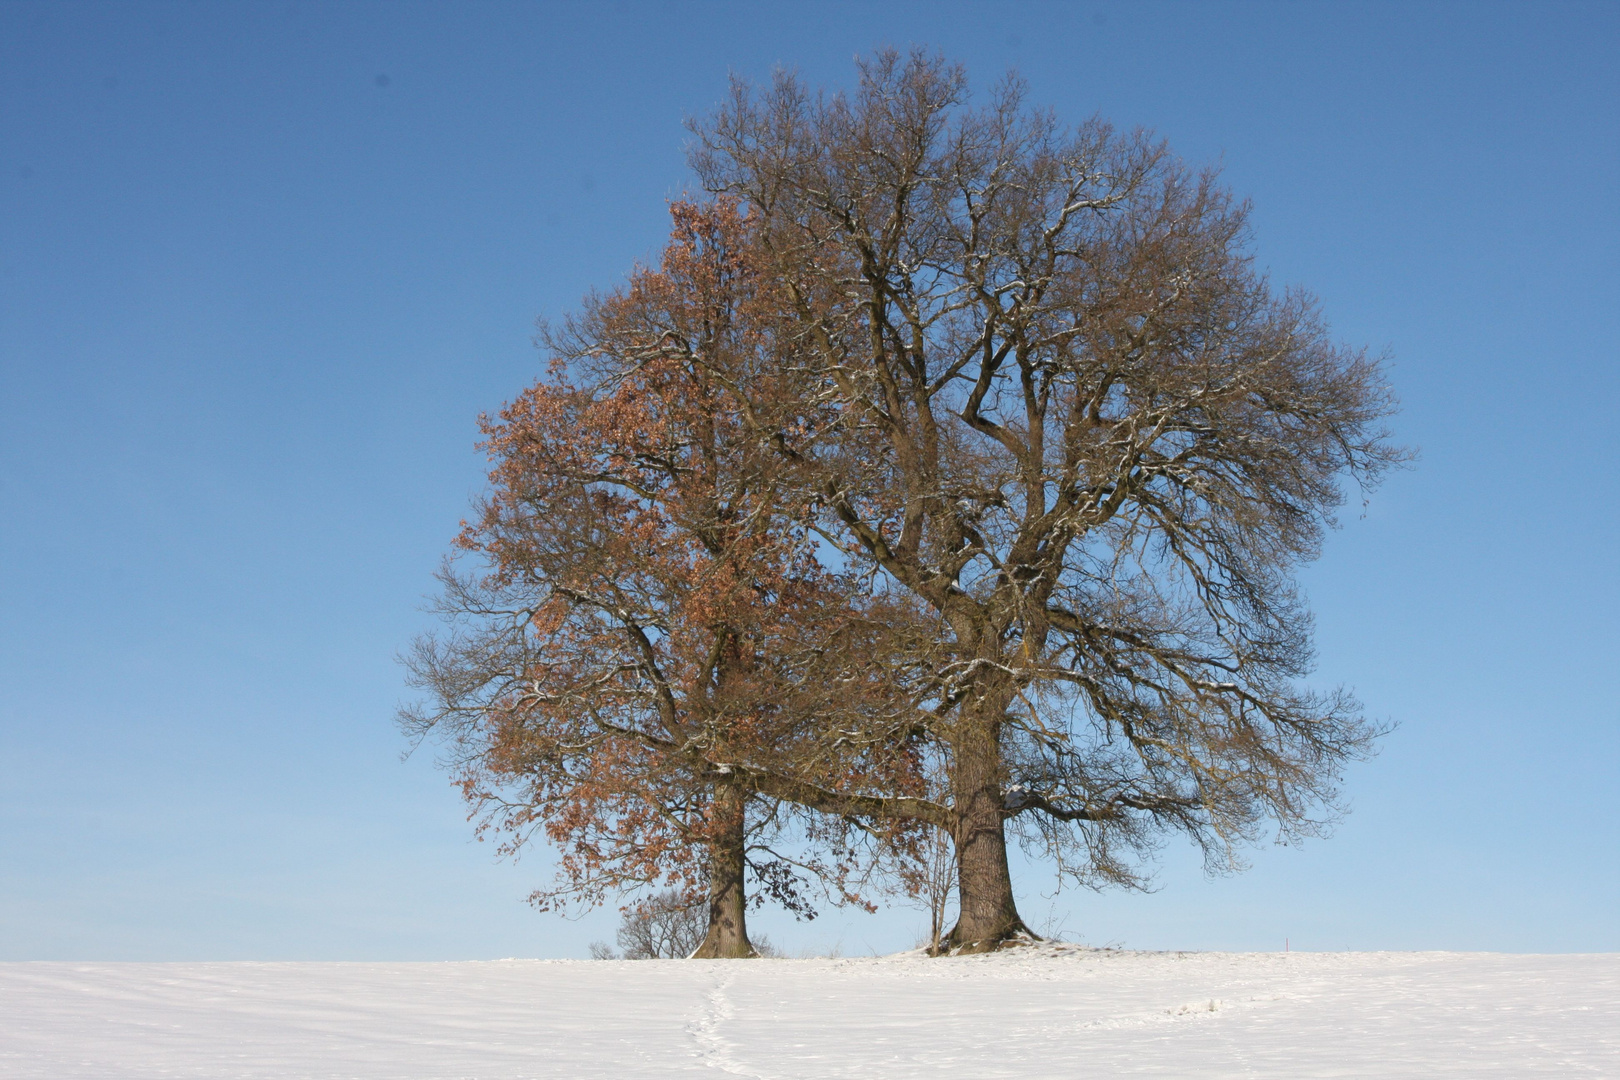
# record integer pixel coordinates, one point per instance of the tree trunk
(988, 913)
(728, 932)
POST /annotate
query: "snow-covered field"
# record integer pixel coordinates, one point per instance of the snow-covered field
(1046, 1011)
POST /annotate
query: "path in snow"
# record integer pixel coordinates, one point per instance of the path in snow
(1051, 1011)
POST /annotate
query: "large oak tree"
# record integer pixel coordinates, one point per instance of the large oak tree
(645, 622)
(951, 472)
(1049, 399)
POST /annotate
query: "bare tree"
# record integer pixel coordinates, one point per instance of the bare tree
(1059, 410)
(666, 926)
(934, 883)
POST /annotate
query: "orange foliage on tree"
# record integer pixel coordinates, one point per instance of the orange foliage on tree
(654, 623)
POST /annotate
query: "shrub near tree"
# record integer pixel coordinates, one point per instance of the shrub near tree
(1070, 420)
(664, 927)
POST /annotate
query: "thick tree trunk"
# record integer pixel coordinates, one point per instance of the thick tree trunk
(988, 913)
(728, 931)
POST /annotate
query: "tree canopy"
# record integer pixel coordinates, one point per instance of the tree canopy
(952, 472)
(1077, 425)
(649, 610)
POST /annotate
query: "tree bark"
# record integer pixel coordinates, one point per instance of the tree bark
(728, 931)
(988, 912)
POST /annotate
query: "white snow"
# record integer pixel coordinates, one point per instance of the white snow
(1045, 1011)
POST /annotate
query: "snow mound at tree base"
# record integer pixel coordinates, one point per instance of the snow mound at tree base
(1045, 1010)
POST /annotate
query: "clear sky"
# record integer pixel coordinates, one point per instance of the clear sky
(262, 265)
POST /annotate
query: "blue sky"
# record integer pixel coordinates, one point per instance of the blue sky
(262, 265)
